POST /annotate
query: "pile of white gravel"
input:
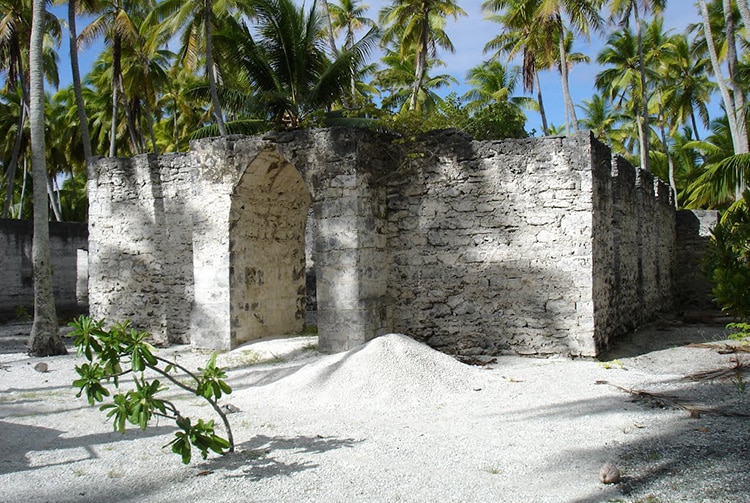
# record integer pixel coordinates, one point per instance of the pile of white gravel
(391, 371)
(395, 421)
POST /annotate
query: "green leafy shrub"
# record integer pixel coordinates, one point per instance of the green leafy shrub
(727, 261)
(122, 350)
(493, 121)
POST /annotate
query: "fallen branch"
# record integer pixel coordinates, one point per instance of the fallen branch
(722, 349)
(721, 373)
(659, 400)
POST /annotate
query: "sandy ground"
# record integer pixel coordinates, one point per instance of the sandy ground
(394, 421)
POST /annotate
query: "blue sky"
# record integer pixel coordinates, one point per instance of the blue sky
(469, 35)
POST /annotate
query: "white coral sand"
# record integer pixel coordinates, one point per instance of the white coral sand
(391, 421)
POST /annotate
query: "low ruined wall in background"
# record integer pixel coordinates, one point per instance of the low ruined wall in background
(68, 245)
(692, 290)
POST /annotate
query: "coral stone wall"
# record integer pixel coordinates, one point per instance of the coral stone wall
(67, 240)
(534, 246)
(208, 247)
(493, 246)
(140, 243)
(692, 290)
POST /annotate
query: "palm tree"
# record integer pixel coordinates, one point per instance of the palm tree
(524, 32)
(396, 81)
(732, 95)
(624, 9)
(45, 335)
(349, 16)
(197, 20)
(15, 34)
(601, 119)
(583, 17)
(118, 22)
(181, 114)
(83, 122)
(418, 26)
(285, 62)
(688, 162)
(325, 9)
(146, 72)
(714, 187)
(491, 82)
(16, 132)
(622, 78)
(687, 89)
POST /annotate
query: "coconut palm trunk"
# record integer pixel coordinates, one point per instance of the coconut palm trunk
(738, 132)
(115, 96)
(329, 28)
(77, 88)
(644, 129)
(16, 152)
(670, 160)
(10, 173)
(542, 112)
(738, 95)
(218, 113)
(745, 13)
(570, 111)
(45, 335)
(421, 60)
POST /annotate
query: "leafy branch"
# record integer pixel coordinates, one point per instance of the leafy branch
(122, 350)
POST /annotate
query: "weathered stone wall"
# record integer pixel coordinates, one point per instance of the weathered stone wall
(643, 223)
(140, 243)
(534, 246)
(66, 239)
(492, 246)
(542, 245)
(692, 289)
(205, 246)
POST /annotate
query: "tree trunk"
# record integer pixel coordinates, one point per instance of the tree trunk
(670, 161)
(695, 125)
(542, 113)
(150, 122)
(353, 81)
(745, 13)
(19, 216)
(644, 129)
(10, 173)
(421, 62)
(77, 88)
(53, 201)
(135, 139)
(16, 153)
(115, 96)
(45, 334)
(571, 119)
(737, 92)
(716, 66)
(329, 26)
(218, 114)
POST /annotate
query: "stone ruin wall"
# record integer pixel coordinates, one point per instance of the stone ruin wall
(140, 244)
(68, 244)
(537, 246)
(529, 246)
(171, 236)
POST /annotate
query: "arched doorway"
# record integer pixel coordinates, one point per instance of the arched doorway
(267, 219)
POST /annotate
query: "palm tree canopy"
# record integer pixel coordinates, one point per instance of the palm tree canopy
(286, 63)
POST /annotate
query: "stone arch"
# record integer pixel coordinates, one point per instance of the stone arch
(267, 219)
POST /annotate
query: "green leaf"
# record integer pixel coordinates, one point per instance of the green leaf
(90, 382)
